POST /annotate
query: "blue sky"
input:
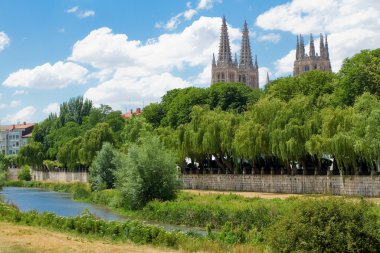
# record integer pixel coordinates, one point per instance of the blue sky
(129, 53)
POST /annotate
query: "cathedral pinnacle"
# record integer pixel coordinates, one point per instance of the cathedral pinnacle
(312, 48)
(224, 57)
(245, 54)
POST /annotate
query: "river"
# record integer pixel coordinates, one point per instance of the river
(27, 199)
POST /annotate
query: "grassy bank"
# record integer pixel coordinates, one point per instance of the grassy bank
(17, 238)
(349, 224)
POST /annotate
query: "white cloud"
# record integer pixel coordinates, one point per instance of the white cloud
(51, 108)
(263, 71)
(14, 103)
(86, 14)
(73, 9)
(272, 37)
(25, 114)
(285, 64)
(48, 76)
(189, 14)
(176, 20)
(4, 40)
(122, 90)
(81, 13)
(207, 4)
(19, 92)
(193, 46)
(352, 25)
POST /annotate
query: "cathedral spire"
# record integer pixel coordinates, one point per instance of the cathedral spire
(297, 49)
(268, 80)
(321, 46)
(224, 46)
(327, 55)
(213, 60)
(256, 65)
(236, 60)
(302, 48)
(312, 48)
(245, 54)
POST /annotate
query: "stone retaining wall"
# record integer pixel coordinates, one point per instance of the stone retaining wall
(368, 186)
(60, 176)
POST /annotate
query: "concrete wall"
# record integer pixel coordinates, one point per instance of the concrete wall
(60, 176)
(13, 173)
(349, 185)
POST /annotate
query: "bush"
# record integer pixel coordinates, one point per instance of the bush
(3, 174)
(25, 173)
(103, 168)
(326, 225)
(148, 172)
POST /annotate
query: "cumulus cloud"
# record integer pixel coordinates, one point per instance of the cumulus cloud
(51, 108)
(4, 40)
(192, 47)
(207, 4)
(72, 9)
(122, 90)
(48, 76)
(271, 37)
(351, 25)
(25, 114)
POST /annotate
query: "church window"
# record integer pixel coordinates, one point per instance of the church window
(307, 68)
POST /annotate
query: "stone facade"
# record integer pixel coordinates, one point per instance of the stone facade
(306, 62)
(368, 186)
(226, 70)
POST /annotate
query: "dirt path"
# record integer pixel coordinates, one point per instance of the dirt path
(264, 195)
(24, 239)
(246, 194)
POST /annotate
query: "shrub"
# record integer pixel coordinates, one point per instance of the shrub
(103, 168)
(25, 173)
(3, 170)
(326, 225)
(148, 172)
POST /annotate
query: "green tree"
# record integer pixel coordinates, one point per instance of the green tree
(69, 154)
(148, 172)
(232, 96)
(103, 168)
(93, 141)
(359, 74)
(75, 110)
(154, 113)
(32, 154)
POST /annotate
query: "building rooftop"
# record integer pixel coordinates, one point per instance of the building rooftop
(17, 126)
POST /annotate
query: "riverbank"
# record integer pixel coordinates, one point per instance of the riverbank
(24, 239)
(251, 223)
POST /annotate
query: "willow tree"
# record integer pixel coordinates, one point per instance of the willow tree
(290, 130)
(69, 154)
(366, 123)
(93, 141)
(32, 154)
(252, 135)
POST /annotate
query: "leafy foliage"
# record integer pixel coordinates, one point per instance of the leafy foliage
(330, 225)
(148, 172)
(25, 173)
(103, 168)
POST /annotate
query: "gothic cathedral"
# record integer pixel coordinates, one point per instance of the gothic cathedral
(226, 70)
(304, 62)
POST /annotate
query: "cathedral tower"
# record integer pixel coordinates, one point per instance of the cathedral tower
(305, 62)
(226, 70)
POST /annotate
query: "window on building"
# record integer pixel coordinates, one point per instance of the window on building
(307, 68)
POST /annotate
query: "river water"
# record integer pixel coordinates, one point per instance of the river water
(27, 199)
